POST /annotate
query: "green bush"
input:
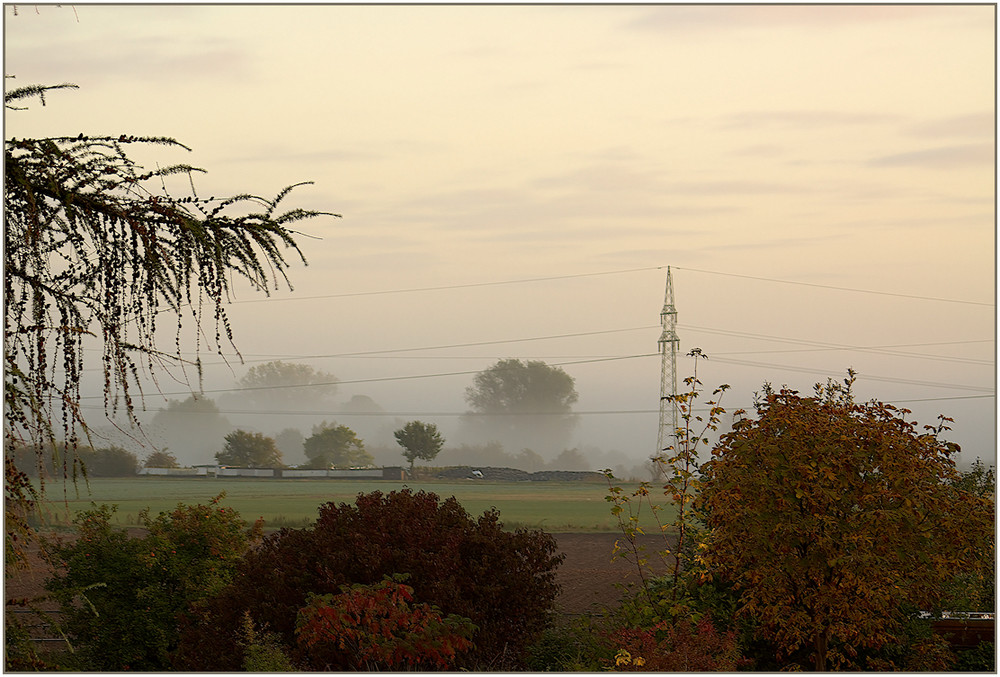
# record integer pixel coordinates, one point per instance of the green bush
(122, 597)
(575, 646)
(982, 658)
(262, 650)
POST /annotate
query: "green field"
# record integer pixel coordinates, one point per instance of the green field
(552, 506)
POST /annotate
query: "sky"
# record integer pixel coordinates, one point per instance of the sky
(515, 180)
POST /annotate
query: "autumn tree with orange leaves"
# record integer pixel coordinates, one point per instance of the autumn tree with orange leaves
(833, 518)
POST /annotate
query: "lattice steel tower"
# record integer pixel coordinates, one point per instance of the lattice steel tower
(668, 369)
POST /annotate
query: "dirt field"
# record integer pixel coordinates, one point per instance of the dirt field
(588, 575)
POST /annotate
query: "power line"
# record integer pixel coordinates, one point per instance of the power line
(470, 285)
(826, 286)
(592, 412)
(444, 287)
(370, 353)
(379, 379)
(943, 399)
(881, 349)
(346, 414)
(591, 361)
(861, 376)
(387, 353)
(487, 343)
(838, 346)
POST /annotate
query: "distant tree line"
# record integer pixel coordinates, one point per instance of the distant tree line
(524, 406)
(100, 462)
(330, 446)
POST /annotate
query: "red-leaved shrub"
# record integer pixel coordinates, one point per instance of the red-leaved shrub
(378, 628)
(682, 646)
(503, 582)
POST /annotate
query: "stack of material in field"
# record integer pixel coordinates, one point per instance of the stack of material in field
(515, 475)
(484, 473)
(567, 476)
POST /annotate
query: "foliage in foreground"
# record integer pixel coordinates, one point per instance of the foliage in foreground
(378, 628)
(122, 596)
(677, 646)
(832, 518)
(95, 250)
(504, 583)
(262, 652)
(815, 534)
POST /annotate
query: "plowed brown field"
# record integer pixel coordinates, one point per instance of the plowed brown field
(590, 579)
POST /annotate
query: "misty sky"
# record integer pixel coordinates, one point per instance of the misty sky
(819, 178)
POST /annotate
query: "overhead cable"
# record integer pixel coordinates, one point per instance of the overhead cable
(826, 286)
(599, 412)
(882, 350)
(449, 286)
(378, 379)
(860, 376)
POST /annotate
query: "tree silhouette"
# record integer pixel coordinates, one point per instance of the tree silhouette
(286, 386)
(193, 427)
(249, 450)
(161, 459)
(522, 405)
(419, 440)
(335, 446)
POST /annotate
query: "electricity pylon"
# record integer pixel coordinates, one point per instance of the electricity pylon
(669, 343)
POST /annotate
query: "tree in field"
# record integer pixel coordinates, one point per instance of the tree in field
(193, 427)
(335, 446)
(289, 442)
(528, 461)
(287, 386)
(490, 454)
(161, 459)
(375, 430)
(108, 461)
(835, 519)
(979, 479)
(101, 462)
(249, 450)
(419, 440)
(570, 459)
(975, 589)
(522, 405)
